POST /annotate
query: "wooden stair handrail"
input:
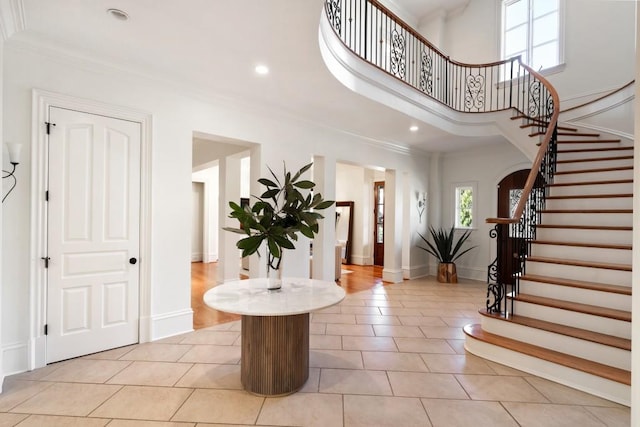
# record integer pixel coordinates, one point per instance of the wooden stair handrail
(542, 150)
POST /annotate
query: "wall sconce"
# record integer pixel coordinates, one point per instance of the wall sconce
(422, 203)
(14, 158)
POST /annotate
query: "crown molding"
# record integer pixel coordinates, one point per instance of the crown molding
(12, 18)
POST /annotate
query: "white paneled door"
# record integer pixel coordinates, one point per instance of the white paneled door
(93, 233)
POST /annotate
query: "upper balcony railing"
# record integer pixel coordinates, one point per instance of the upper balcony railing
(382, 39)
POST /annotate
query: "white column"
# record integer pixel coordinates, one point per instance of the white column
(393, 208)
(257, 265)
(324, 175)
(407, 226)
(229, 255)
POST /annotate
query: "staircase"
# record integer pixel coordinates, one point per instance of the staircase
(571, 319)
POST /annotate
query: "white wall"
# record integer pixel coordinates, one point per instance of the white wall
(352, 186)
(485, 166)
(177, 113)
(197, 221)
(599, 43)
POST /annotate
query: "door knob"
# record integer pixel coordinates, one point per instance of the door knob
(132, 260)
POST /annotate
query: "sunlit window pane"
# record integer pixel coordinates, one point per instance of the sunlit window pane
(545, 29)
(516, 13)
(540, 7)
(516, 41)
(545, 56)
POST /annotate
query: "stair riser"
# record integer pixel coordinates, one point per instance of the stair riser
(603, 219)
(603, 325)
(582, 296)
(592, 154)
(591, 203)
(614, 256)
(610, 356)
(585, 145)
(570, 190)
(586, 274)
(563, 167)
(585, 236)
(593, 176)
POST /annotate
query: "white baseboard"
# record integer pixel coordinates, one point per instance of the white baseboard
(415, 272)
(360, 260)
(170, 324)
(196, 257)
(210, 257)
(15, 358)
(393, 276)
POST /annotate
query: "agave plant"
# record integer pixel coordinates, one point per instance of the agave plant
(278, 215)
(445, 247)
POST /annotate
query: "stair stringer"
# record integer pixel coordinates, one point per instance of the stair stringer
(365, 79)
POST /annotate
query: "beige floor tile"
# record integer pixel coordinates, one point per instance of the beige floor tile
(457, 364)
(176, 339)
(416, 384)
(370, 311)
(340, 359)
(235, 326)
(350, 381)
(395, 311)
(612, 417)
(15, 392)
(67, 399)
(87, 371)
(143, 403)
(317, 328)
(423, 345)
(558, 393)
(207, 375)
(465, 413)
(153, 352)
(397, 331)
(376, 320)
(221, 326)
(136, 423)
(548, 415)
(421, 321)
(457, 322)
(38, 374)
(325, 342)
(151, 373)
(10, 420)
(211, 337)
(302, 409)
(369, 343)
(329, 310)
(367, 411)
(443, 332)
(313, 382)
(114, 354)
(502, 388)
(354, 330)
(458, 346)
(58, 421)
(388, 361)
(501, 369)
(349, 319)
(383, 303)
(348, 301)
(220, 406)
(212, 354)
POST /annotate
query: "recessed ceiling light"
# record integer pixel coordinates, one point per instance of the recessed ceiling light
(413, 128)
(120, 15)
(262, 69)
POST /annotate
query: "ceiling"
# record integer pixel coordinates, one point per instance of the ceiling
(213, 46)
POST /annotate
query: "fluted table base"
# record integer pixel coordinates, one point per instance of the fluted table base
(275, 354)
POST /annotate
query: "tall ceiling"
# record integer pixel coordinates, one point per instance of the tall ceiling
(213, 46)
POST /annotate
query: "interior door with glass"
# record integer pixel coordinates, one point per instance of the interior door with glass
(378, 231)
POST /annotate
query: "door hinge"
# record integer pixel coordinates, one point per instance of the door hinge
(46, 329)
(46, 196)
(46, 261)
(49, 124)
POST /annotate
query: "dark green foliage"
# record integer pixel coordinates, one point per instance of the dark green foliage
(444, 246)
(278, 215)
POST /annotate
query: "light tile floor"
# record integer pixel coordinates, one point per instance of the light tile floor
(390, 356)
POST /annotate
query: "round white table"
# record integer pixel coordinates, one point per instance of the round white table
(275, 328)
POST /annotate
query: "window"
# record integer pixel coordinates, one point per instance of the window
(531, 28)
(464, 194)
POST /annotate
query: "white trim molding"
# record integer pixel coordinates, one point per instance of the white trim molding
(12, 18)
(170, 324)
(42, 100)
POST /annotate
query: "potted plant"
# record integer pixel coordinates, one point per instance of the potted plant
(276, 218)
(447, 249)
